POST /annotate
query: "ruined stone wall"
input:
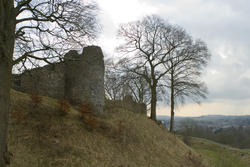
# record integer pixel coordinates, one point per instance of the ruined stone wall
(79, 78)
(132, 106)
(46, 81)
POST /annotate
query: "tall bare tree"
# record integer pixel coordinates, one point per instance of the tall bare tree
(148, 44)
(183, 79)
(40, 30)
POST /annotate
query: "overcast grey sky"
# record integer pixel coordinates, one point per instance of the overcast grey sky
(223, 24)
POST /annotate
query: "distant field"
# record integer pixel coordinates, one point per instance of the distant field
(220, 155)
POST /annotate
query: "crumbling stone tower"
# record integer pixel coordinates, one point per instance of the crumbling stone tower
(84, 77)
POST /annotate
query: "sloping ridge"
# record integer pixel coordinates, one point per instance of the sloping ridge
(41, 136)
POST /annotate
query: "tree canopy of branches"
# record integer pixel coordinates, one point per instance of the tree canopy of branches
(119, 84)
(32, 30)
(148, 45)
(113, 81)
(46, 29)
(139, 88)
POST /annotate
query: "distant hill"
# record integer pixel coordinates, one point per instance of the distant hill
(45, 132)
(212, 121)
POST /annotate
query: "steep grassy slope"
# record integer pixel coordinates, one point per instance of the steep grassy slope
(220, 155)
(39, 136)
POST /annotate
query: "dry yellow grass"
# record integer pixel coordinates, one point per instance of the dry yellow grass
(40, 137)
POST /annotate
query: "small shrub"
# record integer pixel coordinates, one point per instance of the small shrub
(64, 106)
(90, 121)
(18, 116)
(35, 98)
(87, 115)
(120, 126)
(86, 108)
(122, 132)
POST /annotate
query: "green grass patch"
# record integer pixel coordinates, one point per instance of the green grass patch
(219, 155)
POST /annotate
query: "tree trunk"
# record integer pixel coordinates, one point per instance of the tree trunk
(153, 103)
(172, 113)
(5, 78)
(7, 38)
(171, 129)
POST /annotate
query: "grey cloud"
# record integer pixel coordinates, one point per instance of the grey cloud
(224, 25)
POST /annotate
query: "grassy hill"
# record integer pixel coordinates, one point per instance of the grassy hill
(219, 155)
(42, 135)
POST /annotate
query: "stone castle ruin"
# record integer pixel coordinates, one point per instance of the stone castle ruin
(79, 78)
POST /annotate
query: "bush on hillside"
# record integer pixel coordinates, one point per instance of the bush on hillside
(87, 115)
(64, 107)
(35, 98)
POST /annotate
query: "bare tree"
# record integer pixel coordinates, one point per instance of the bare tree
(138, 88)
(148, 45)
(32, 30)
(119, 83)
(113, 82)
(183, 79)
(50, 28)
